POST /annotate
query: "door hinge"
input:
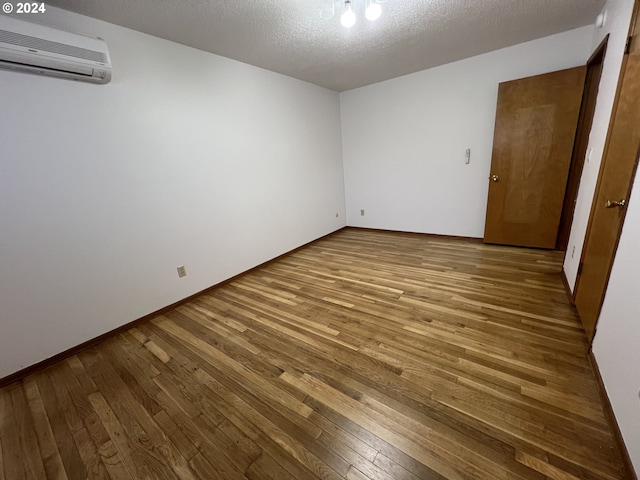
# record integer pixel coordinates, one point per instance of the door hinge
(580, 267)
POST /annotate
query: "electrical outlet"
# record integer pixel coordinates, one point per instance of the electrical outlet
(362, 212)
(182, 272)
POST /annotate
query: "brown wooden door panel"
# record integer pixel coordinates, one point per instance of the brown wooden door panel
(614, 184)
(535, 129)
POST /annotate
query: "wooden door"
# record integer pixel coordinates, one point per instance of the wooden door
(535, 129)
(617, 172)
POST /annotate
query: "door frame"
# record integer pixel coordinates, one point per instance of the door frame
(581, 143)
(605, 156)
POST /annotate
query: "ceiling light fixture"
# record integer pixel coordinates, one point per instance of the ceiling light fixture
(348, 17)
(373, 10)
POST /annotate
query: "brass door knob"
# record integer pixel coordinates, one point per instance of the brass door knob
(494, 178)
(621, 204)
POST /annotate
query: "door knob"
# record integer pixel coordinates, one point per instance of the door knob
(494, 178)
(621, 204)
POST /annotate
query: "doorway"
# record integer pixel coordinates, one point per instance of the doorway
(585, 121)
(617, 171)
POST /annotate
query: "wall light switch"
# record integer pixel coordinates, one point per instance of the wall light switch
(182, 272)
(467, 156)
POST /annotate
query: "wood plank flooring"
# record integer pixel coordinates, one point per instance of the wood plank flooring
(363, 356)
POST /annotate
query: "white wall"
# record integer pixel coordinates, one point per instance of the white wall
(404, 139)
(616, 343)
(185, 158)
(618, 17)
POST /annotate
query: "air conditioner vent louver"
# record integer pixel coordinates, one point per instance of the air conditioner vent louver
(52, 47)
(42, 50)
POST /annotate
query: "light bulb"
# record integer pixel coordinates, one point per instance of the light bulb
(348, 18)
(373, 11)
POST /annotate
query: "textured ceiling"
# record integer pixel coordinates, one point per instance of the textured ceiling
(290, 37)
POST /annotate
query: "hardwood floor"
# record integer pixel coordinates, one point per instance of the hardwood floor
(365, 355)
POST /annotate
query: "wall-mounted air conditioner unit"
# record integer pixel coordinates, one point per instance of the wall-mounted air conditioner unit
(34, 48)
